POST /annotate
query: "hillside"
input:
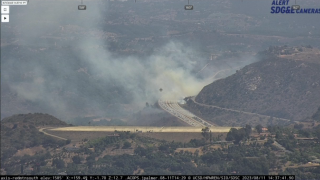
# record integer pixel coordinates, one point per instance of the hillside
(36, 119)
(20, 131)
(316, 115)
(124, 153)
(285, 86)
(152, 116)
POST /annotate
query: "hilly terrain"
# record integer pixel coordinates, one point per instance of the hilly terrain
(21, 131)
(284, 84)
(279, 150)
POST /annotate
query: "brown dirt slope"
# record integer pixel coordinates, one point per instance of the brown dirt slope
(282, 85)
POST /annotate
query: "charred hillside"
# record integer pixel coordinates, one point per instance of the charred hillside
(285, 84)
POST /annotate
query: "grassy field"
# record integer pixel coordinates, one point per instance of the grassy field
(78, 136)
(173, 136)
(177, 134)
(138, 129)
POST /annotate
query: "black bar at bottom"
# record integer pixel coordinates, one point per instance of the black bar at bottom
(151, 177)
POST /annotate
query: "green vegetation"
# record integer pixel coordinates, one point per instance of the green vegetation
(163, 159)
(129, 153)
(126, 145)
(259, 128)
(58, 163)
(237, 135)
(76, 159)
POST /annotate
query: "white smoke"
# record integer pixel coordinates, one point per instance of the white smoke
(170, 68)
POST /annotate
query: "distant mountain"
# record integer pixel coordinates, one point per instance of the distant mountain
(285, 84)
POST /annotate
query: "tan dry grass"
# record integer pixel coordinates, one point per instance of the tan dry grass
(173, 136)
(29, 151)
(79, 136)
(138, 128)
(216, 146)
(177, 134)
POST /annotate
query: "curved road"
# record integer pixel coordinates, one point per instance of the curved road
(41, 130)
(244, 112)
(214, 76)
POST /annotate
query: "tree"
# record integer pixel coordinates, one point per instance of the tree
(237, 135)
(126, 145)
(248, 130)
(269, 142)
(196, 153)
(318, 133)
(140, 151)
(164, 147)
(259, 128)
(59, 163)
(231, 133)
(205, 133)
(21, 168)
(90, 160)
(76, 159)
(240, 134)
(68, 141)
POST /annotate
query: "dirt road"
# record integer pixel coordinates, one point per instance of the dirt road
(234, 110)
(42, 130)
